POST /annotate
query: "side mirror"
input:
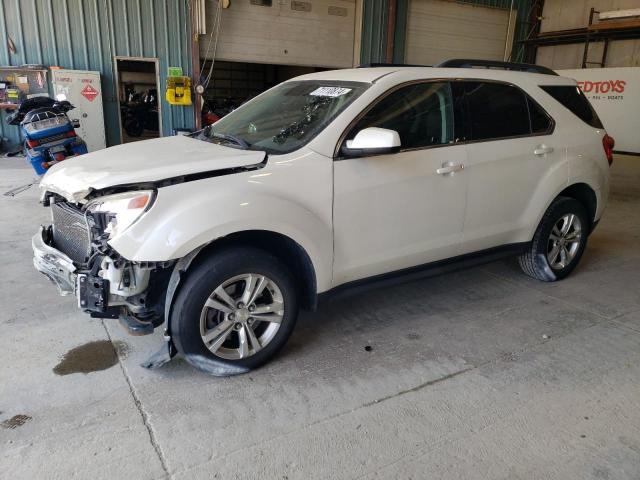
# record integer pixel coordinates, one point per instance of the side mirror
(372, 141)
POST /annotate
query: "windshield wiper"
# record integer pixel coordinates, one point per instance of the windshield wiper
(232, 138)
(200, 134)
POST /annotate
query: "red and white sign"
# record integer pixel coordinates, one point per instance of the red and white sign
(615, 96)
(83, 90)
(89, 92)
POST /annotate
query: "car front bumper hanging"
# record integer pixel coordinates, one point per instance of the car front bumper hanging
(54, 264)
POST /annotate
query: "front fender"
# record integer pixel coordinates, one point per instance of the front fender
(187, 216)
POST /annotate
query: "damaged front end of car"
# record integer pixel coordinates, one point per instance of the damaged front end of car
(74, 252)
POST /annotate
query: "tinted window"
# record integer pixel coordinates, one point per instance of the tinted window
(573, 98)
(540, 120)
(422, 114)
(496, 110)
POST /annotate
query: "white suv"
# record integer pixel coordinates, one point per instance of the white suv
(325, 182)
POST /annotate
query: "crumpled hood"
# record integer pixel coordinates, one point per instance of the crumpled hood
(140, 162)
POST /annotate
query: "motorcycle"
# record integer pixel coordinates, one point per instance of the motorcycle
(214, 110)
(140, 113)
(49, 134)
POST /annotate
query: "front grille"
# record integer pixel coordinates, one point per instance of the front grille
(70, 232)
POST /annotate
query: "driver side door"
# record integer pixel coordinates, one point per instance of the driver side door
(398, 210)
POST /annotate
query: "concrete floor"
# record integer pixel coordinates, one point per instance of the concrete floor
(481, 374)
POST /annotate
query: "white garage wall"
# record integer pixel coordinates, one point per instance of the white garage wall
(280, 34)
(569, 14)
(621, 53)
(438, 30)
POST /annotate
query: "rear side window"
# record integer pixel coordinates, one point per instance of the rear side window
(573, 99)
(496, 110)
(540, 121)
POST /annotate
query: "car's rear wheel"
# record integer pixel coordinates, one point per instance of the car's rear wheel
(237, 308)
(559, 241)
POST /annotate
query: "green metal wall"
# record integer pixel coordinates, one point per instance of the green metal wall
(87, 34)
(374, 27)
(374, 30)
(374, 34)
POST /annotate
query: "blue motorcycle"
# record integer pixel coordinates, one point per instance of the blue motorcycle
(49, 134)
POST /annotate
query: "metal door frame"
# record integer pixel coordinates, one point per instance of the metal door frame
(116, 72)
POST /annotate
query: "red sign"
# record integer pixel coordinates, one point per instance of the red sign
(89, 92)
(605, 86)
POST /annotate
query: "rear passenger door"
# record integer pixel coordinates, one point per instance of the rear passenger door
(511, 152)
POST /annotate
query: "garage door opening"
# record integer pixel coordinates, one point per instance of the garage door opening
(137, 83)
(439, 30)
(233, 83)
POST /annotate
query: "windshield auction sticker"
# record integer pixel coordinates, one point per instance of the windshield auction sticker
(330, 91)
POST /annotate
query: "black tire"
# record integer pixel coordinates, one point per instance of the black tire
(535, 262)
(200, 282)
(133, 127)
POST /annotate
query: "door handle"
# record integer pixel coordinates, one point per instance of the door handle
(449, 168)
(542, 150)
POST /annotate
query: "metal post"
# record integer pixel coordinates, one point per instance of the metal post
(591, 12)
(586, 41)
(195, 63)
(586, 52)
(391, 30)
(604, 53)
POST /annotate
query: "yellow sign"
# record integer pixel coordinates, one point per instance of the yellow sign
(178, 90)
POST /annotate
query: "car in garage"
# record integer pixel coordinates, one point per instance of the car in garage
(326, 183)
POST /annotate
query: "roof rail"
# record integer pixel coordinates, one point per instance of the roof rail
(521, 67)
(375, 65)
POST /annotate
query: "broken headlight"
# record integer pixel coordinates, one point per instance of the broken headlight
(123, 209)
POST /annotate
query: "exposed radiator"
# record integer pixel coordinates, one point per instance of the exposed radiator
(71, 232)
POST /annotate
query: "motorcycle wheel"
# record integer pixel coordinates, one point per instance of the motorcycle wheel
(133, 127)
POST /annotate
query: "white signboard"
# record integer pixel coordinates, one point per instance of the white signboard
(84, 91)
(615, 95)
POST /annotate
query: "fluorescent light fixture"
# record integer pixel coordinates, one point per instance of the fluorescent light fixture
(618, 14)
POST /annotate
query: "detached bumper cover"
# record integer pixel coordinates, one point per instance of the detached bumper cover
(54, 264)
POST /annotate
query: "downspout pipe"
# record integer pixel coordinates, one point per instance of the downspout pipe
(506, 41)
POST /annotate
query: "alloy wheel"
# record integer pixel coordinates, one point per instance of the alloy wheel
(241, 316)
(564, 241)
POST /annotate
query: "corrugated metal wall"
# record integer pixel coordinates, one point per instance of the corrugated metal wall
(87, 34)
(374, 27)
(374, 31)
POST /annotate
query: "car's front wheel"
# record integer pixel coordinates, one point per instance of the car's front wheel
(559, 241)
(237, 308)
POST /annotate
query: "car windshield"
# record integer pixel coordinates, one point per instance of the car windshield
(286, 117)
